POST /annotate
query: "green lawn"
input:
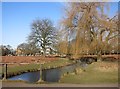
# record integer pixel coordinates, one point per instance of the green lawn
(52, 64)
(96, 73)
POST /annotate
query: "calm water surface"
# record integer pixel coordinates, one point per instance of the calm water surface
(48, 75)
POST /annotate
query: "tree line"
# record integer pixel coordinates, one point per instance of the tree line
(89, 30)
(85, 29)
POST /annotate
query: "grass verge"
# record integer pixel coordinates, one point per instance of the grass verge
(34, 67)
(96, 73)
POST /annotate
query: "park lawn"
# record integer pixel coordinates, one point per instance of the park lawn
(96, 73)
(51, 64)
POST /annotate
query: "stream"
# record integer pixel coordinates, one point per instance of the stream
(48, 75)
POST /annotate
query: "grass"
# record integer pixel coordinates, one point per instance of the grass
(94, 75)
(52, 64)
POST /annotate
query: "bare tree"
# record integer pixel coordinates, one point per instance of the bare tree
(43, 34)
(6, 50)
(92, 26)
(27, 49)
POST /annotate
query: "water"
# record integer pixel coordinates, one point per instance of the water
(29, 77)
(48, 75)
(69, 69)
(51, 75)
(0, 75)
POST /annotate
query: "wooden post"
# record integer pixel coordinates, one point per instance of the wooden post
(40, 71)
(5, 71)
(99, 56)
(40, 80)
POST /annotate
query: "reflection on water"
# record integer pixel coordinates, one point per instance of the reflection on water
(29, 77)
(49, 75)
(0, 75)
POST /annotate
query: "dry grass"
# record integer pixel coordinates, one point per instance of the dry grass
(26, 59)
(96, 73)
(107, 67)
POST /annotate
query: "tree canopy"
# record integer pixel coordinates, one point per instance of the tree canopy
(93, 29)
(43, 34)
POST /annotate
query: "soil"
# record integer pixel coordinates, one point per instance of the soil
(25, 59)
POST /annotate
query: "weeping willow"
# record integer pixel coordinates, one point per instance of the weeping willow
(91, 26)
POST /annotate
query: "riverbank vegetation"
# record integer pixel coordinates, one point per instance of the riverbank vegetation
(101, 72)
(22, 68)
(96, 73)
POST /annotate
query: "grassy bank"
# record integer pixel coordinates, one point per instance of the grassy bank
(14, 70)
(96, 73)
